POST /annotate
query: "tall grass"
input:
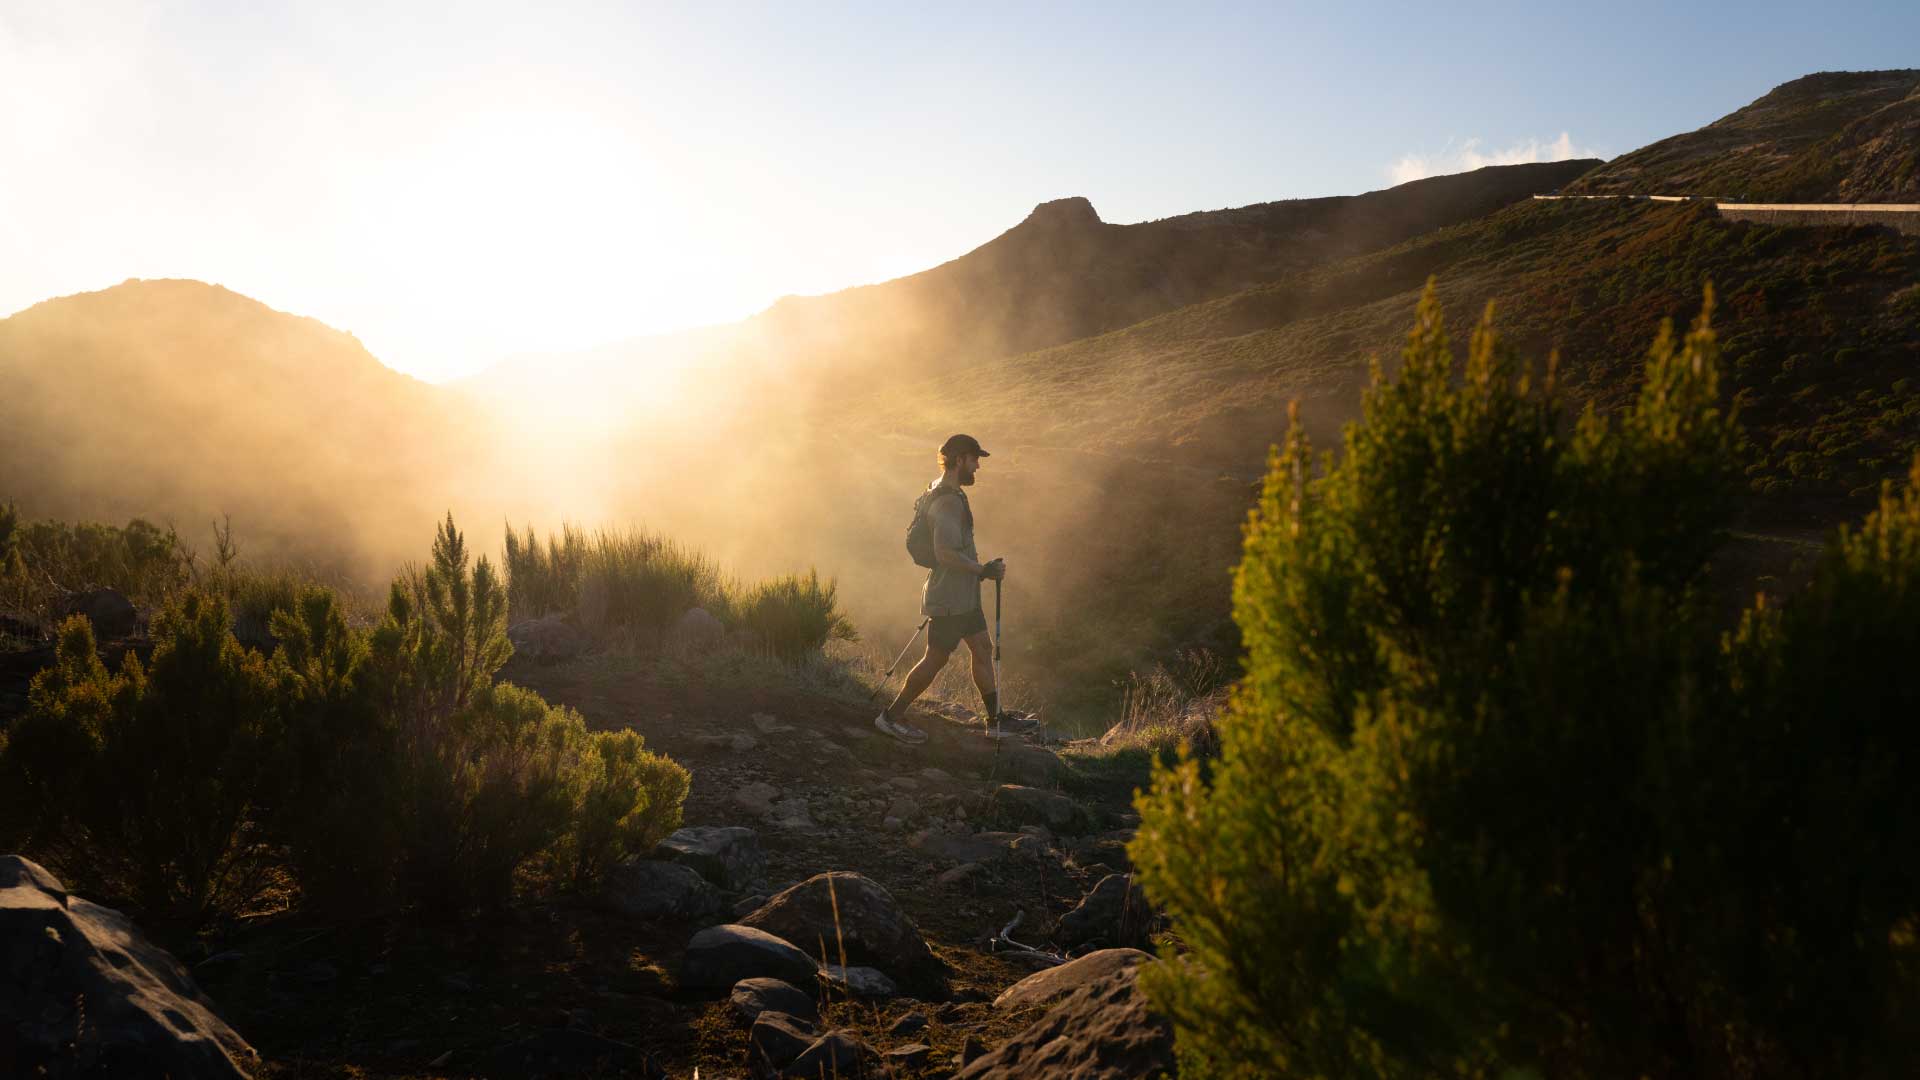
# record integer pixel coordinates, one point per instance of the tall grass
(629, 587)
(1167, 707)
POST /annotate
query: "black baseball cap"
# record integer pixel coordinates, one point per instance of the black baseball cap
(962, 444)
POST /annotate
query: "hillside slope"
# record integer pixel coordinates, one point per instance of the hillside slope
(1818, 325)
(1840, 136)
(176, 399)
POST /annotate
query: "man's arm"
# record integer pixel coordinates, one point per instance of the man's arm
(947, 531)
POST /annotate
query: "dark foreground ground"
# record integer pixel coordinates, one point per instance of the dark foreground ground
(800, 765)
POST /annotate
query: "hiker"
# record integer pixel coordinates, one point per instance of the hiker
(951, 600)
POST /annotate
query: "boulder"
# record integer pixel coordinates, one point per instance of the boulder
(847, 910)
(858, 982)
(727, 855)
(1022, 764)
(109, 610)
(721, 956)
(83, 992)
(751, 997)
(568, 1052)
(549, 639)
(1017, 804)
(777, 1038)
(1046, 987)
(835, 1054)
(698, 627)
(1115, 911)
(649, 889)
(1102, 1031)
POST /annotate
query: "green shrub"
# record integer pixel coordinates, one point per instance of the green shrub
(42, 562)
(1483, 787)
(543, 580)
(632, 801)
(793, 617)
(147, 783)
(422, 781)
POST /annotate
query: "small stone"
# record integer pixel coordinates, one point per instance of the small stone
(912, 1023)
(650, 889)
(903, 808)
(904, 783)
(958, 874)
(777, 1038)
(743, 742)
(971, 1049)
(892, 824)
(859, 982)
(721, 956)
(757, 797)
(769, 725)
(937, 776)
(837, 1053)
(751, 997)
(910, 1056)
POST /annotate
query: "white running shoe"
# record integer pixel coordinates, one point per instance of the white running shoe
(906, 733)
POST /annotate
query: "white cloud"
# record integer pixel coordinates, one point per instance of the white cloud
(1469, 155)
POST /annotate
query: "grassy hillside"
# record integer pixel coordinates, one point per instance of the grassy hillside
(1838, 136)
(1819, 326)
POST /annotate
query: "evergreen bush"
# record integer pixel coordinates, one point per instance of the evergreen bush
(148, 783)
(1493, 795)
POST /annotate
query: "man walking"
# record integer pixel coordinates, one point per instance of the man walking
(951, 600)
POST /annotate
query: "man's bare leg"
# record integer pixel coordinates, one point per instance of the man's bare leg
(921, 677)
(985, 679)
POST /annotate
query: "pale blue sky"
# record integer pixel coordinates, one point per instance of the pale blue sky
(456, 183)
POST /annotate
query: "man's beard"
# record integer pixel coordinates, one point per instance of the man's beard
(966, 477)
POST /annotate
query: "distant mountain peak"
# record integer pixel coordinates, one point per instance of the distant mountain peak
(1074, 212)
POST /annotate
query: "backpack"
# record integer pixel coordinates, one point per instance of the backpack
(920, 533)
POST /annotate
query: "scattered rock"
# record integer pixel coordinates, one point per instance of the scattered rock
(721, 956)
(938, 776)
(568, 1052)
(904, 783)
(651, 889)
(1030, 806)
(757, 797)
(698, 626)
(751, 997)
(110, 612)
(853, 911)
(910, 1056)
(547, 640)
(858, 982)
(912, 1023)
(958, 874)
(727, 855)
(837, 1053)
(964, 847)
(972, 1050)
(1115, 911)
(1030, 765)
(769, 725)
(1102, 1031)
(748, 905)
(904, 808)
(777, 1038)
(741, 742)
(1046, 987)
(85, 993)
(791, 813)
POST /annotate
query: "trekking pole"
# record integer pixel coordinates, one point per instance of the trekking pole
(888, 677)
(995, 720)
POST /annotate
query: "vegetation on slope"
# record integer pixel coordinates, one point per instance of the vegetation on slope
(1837, 136)
(1497, 794)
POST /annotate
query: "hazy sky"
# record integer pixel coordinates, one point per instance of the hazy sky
(456, 183)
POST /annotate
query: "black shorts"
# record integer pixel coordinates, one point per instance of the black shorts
(945, 632)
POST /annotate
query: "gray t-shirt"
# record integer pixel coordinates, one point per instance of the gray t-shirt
(951, 591)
